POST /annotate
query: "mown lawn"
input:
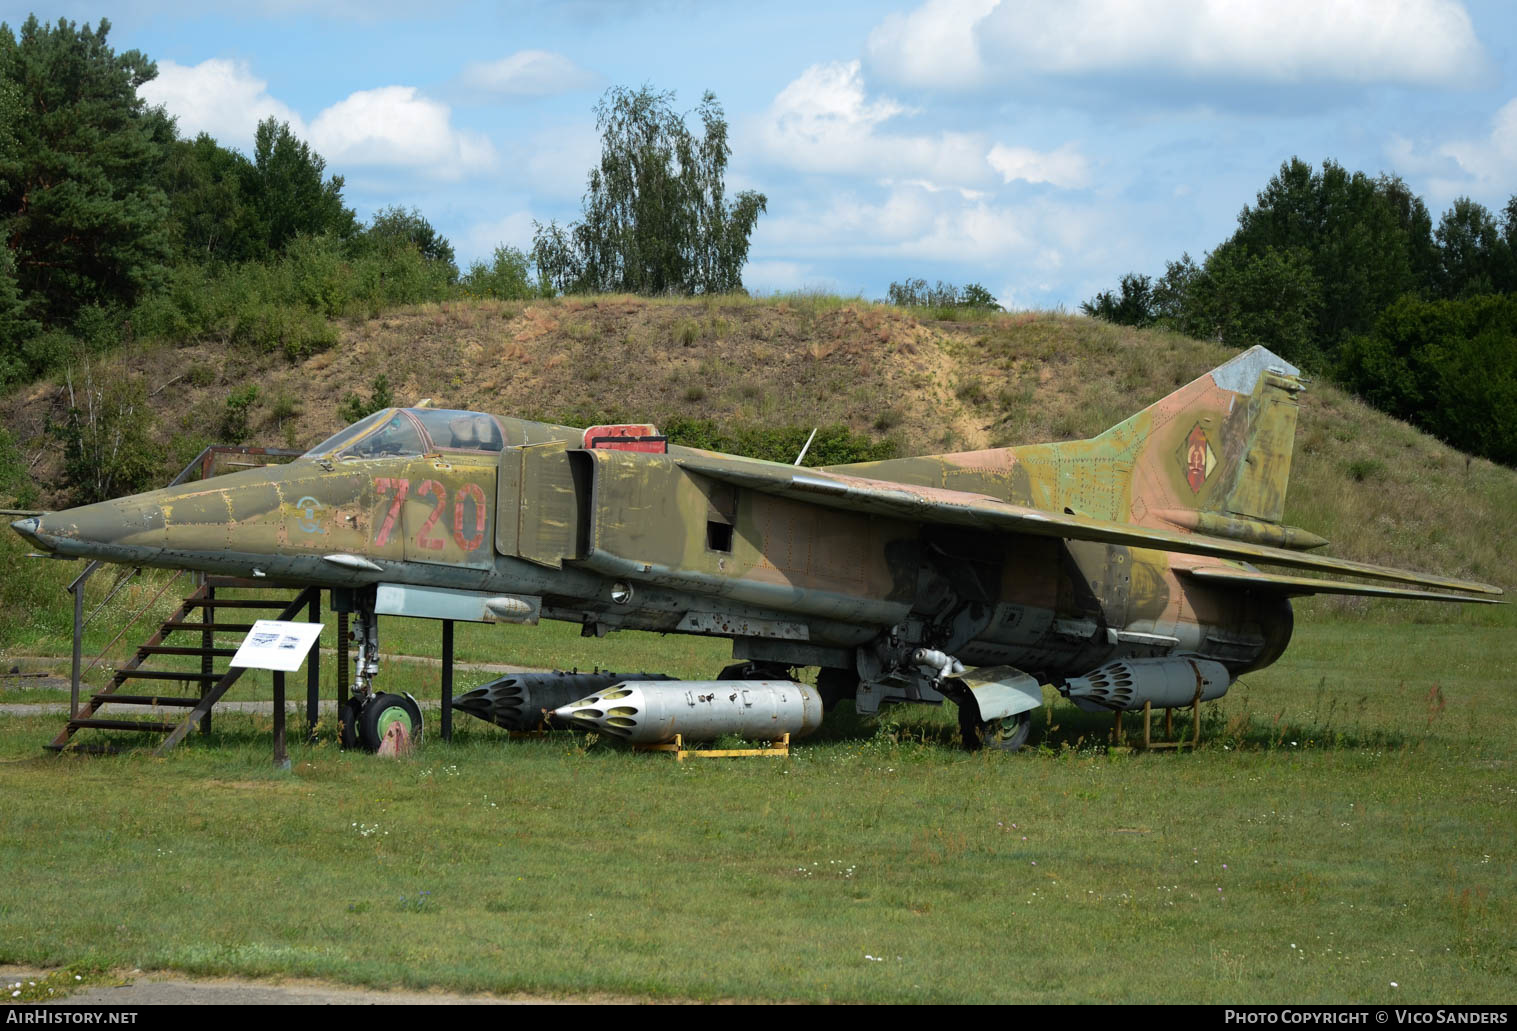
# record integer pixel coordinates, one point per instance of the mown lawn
(1344, 834)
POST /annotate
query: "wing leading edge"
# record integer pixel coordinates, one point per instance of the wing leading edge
(939, 505)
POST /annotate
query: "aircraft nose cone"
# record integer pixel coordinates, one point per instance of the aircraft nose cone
(29, 528)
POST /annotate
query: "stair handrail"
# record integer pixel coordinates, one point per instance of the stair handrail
(201, 462)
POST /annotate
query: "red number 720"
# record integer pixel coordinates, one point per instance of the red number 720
(384, 485)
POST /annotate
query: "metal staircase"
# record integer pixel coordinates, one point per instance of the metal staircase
(213, 679)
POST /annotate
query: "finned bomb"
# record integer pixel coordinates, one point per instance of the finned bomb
(651, 713)
(518, 701)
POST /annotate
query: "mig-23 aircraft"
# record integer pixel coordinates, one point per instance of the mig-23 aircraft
(1120, 569)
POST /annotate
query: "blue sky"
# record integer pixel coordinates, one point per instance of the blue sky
(1039, 147)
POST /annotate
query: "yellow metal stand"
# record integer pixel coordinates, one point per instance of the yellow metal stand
(774, 750)
(1169, 727)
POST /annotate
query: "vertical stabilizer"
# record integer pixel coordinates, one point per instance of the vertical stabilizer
(1215, 455)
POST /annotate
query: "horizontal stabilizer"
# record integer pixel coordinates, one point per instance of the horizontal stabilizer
(1298, 585)
(939, 505)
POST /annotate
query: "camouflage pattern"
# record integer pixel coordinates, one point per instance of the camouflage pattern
(1050, 559)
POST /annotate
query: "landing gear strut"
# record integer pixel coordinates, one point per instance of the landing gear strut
(366, 718)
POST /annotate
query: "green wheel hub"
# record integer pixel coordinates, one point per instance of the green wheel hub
(384, 712)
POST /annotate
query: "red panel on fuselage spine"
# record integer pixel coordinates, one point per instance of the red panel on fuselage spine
(628, 437)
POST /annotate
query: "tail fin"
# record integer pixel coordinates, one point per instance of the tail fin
(1215, 455)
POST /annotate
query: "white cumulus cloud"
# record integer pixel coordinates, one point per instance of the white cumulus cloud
(1430, 42)
(1492, 161)
(217, 96)
(935, 44)
(1064, 167)
(528, 73)
(392, 125)
(825, 121)
(1485, 164)
(908, 221)
(395, 125)
(478, 242)
(786, 276)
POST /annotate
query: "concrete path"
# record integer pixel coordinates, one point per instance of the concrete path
(168, 989)
(294, 684)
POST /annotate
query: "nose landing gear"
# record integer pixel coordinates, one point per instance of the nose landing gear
(368, 719)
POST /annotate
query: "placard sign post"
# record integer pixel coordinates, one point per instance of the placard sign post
(281, 647)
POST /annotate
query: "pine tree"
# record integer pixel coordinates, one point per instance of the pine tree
(83, 217)
(284, 184)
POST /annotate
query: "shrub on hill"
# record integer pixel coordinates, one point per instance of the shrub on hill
(833, 445)
(1445, 366)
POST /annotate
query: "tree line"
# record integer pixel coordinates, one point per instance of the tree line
(117, 228)
(1347, 276)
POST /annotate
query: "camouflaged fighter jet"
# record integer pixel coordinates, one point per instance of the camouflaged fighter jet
(1120, 569)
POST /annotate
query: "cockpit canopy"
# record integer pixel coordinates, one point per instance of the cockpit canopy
(397, 432)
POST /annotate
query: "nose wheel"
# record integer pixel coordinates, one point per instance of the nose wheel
(365, 724)
(386, 716)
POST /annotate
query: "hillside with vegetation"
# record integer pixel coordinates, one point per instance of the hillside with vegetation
(755, 376)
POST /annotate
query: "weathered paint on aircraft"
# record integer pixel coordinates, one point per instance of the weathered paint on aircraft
(1037, 564)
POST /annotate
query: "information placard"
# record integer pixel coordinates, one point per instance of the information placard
(277, 645)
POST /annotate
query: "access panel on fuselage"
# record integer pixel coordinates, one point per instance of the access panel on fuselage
(538, 505)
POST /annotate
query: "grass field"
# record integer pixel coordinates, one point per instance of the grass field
(1346, 825)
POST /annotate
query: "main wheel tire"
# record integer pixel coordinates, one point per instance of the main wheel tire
(384, 710)
(1007, 734)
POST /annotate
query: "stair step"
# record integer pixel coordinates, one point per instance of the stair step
(237, 603)
(213, 627)
(251, 584)
(143, 725)
(212, 685)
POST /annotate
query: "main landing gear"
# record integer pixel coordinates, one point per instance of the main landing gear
(1006, 734)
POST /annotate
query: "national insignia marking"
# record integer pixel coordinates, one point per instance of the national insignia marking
(1197, 458)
